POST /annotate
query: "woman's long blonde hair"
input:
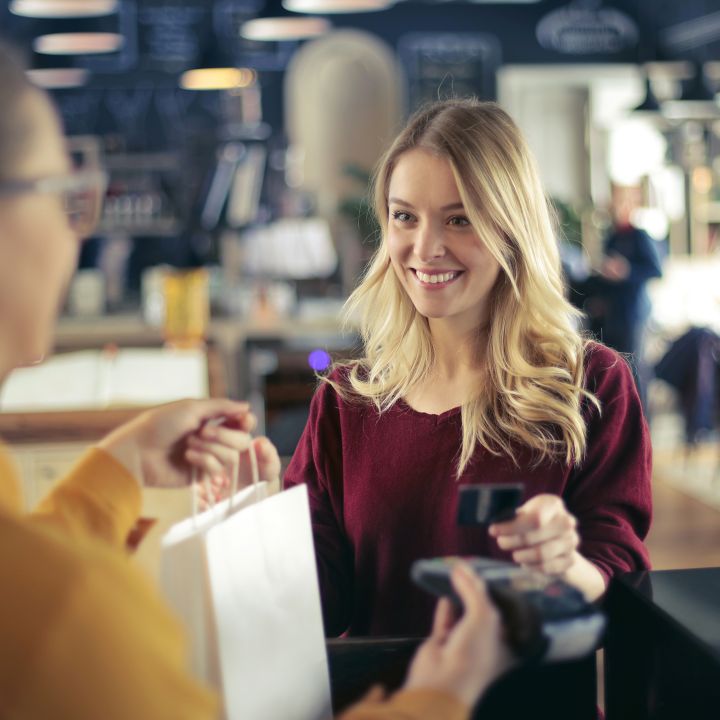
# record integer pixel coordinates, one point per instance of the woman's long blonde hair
(531, 387)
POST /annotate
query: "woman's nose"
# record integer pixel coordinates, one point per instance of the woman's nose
(429, 244)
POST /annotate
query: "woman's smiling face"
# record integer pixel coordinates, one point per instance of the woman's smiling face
(445, 268)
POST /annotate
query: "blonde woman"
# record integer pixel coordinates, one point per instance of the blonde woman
(473, 372)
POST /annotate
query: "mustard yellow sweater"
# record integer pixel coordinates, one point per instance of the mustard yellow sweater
(84, 635)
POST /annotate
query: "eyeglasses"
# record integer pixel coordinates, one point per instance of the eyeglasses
(81, 192)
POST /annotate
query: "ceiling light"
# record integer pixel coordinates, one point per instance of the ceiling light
(336, 6)
(63, 8)
(217, 78)
(78, 43)
(284, 28)
(583, 28)
(697, 101)
(649, 104)
(58, 78)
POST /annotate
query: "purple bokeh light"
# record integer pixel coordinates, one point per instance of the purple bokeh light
(319, 360)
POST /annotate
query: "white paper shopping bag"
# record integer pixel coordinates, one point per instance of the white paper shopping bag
(266, 607)
(184, 581)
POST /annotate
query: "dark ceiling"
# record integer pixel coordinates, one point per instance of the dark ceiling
(165, 37)
(513, 24)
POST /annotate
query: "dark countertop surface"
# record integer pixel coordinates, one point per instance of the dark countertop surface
(688, 598)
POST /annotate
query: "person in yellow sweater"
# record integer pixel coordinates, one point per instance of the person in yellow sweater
(83, 634)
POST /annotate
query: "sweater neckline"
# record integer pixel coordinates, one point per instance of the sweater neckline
(436, 418)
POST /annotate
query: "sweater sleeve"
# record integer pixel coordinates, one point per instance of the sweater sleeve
(410, 705)
(98, 499)
(88, 636)
(317, 462)
(610, 492)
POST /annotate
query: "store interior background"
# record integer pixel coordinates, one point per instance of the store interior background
(264, 184)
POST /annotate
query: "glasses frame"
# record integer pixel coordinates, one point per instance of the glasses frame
(80, 181)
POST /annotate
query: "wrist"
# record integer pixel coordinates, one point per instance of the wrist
(123, 445)
(465, 697)
(585, 576)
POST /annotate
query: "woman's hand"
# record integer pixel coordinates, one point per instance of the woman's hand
(156, 447)
(206, 449)
(462, 658)
(543, 536)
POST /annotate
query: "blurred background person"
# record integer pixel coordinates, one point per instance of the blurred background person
(617, 302)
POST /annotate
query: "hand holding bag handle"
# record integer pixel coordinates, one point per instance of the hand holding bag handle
(234, 481)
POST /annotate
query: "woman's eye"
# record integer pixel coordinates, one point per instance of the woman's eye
(401, 216)
(459, 221)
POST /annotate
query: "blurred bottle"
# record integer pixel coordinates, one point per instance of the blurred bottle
(187, 307)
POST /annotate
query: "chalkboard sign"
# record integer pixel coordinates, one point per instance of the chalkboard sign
(444, 65)
(126, 59)
(147, 117)
(172, 33)
(228, 19)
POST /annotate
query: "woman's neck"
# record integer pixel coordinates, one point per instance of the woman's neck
(458, 352)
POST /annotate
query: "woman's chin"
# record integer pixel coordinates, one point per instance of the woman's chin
(35, 349)
(431, 313)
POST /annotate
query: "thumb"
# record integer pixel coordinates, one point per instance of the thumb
(268, 459)
(375, 694)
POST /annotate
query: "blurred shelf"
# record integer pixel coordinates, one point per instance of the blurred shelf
(142, 162)
(125, 329)
(239, 131)
(160, 228)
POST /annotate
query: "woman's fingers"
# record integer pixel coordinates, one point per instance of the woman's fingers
(205, 462)
(472, 592)
(443, 621)
(226, 457)
(191, 415)
(204, 500)
(559, 526)
(547, 551)
(215, 408)
(236, 440)
(532, 517)
(543, 536)
(268, 459)
(223, 452)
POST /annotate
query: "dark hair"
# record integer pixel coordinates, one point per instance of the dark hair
(15, 127)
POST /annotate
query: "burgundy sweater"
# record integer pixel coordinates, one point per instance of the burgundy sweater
(383, 493)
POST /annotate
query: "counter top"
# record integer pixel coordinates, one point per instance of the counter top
(662, 649)
(689, 599)
(131, 328)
